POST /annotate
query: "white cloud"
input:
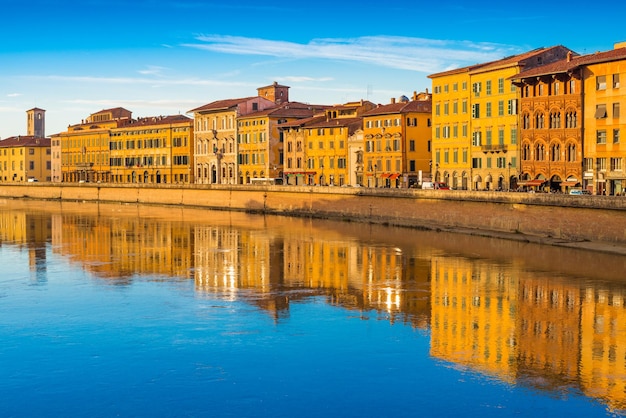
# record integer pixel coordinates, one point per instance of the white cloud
(14, 94)
(414, 54)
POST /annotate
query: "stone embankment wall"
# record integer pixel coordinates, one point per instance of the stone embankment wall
(554, 216)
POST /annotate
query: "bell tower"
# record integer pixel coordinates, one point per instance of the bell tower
(36, 123)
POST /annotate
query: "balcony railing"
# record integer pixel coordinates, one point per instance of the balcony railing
(494, 148)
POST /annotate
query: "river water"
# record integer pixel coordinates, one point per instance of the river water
(129, 311)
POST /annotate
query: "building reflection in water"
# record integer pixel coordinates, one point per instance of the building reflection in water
(521, 313)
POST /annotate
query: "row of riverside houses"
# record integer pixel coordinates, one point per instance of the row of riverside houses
(547, 119)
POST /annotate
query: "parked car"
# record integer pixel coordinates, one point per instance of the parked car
(32, 180)
(438, 185)
(579, 192)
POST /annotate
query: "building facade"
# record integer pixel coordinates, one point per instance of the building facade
(84, 147)
(216, 151)
(152, 150)
(25, 158)
(605, 95)
(260, 141)
(475, 121)
(397, 142)
(316, 149)
(551, 140)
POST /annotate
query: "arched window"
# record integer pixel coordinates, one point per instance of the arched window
(526, 152)
(539, 152)
(526, 121)
(555, 152)
(555, 120)
(571, 153)
(539, 122)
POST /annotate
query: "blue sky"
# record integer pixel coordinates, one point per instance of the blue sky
(157, 57)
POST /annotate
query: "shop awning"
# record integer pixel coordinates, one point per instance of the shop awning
(531, 183)
(384, 175)
(570, 183)
(394, 176)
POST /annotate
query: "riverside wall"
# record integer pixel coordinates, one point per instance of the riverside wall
(600, 219)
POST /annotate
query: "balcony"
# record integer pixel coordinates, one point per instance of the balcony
(494, 148)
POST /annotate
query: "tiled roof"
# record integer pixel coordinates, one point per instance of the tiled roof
(504, 62)
(566, 65)
(157, 120)
(422, 106)
(25, 141)
(116, 112)
(288, 109)
(222, 104)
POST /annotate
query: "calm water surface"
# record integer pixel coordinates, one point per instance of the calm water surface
(120, 310)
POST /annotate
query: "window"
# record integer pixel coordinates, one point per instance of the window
(512, 107)
(488, 87)
(501, 86)
(446, 108)
(455, 155)
(572, 86)
(476, 138)
(501, 108)
(477, 163)
(601, 164)
(476, 111)
(513, 136)
(571, 153)
(571, 119)
(601, 82)
(601, 136)
(557, 86)
(488, 136)
(455, 107)
(526, 121)
(615, 110)
(488, 110)
(555, 120)
(437, 112)
(464, 106)
(501, 162)
(412, 145)
(464, 155)
(539, 121)
(616, 136)
(555, 152)
(501, 136)
(600, 111)
(588, 164)
(616, 164)
(615, 81)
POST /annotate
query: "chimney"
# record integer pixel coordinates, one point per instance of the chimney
(569, 56)
(393, 100)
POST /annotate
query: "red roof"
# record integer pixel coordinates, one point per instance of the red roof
(24, 141)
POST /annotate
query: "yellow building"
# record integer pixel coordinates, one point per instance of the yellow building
(316, 149)
(474, 316)
(25, 158)
(152, 150)
(475, 122)
(83, 150)
(260, 141)
(604, 149)
(397, 142)
(216, 131)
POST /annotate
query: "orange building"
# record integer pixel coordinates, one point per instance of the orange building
(397, 142)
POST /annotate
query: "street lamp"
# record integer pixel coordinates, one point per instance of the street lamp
(322, 180)
(510, 175)
(375, 178)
